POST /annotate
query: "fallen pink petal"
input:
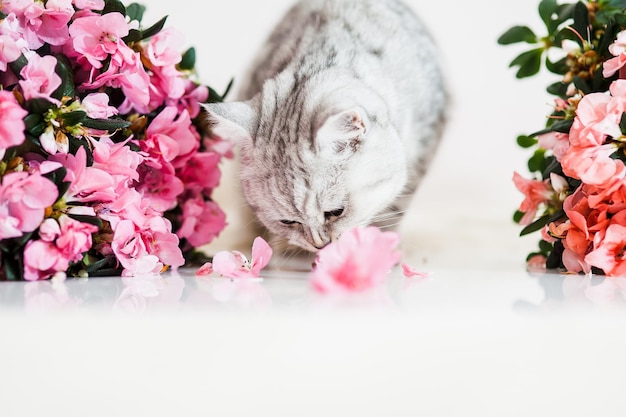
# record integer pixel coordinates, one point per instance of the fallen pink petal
(411, 272)
(205, 270)
(234, 264)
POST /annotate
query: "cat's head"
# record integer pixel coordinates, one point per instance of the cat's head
(313, 175)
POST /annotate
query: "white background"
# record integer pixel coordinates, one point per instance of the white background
(462, 216)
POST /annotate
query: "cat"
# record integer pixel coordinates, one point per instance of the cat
(339, 119)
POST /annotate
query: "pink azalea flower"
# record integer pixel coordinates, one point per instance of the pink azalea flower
(205, 270)
(593, 165)
(202, 221)
(201, 172)
(49, 230)
(89, 4)
(11, 122)
(9, 51)
(117, 159)
(536, 193)
(42, 260)
(609, 255)
(23, 200)
(39, 79)
(557, 142)
(159, 184)
(53, 28)
(75, 238)
(171, 134)
(97, 106)
(618, 49)
(100, 36)
(88, 184)
(411, 272)
(163, 49)
(131, 251)
(235, 265)
(359, 260)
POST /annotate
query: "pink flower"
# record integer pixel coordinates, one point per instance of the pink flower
(42, 260)
(75, 238)
(201, 173)
(98, 37)
(235, 265)
(89, 4)
(609, 255)
(131, 251)
(411, 272)
(618, 49)
(97, 106)
(23, 200)
(163, 48)
(117, 159)
(39, 78)
(359, 260)
(593, 165)
(88, 184)
(159, 184)
(536, 193)
(9, 51)
(11, 122)
(170, 134)
(558, 143)
(202, 221)
(205, 270)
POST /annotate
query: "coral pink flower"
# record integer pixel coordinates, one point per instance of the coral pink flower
(39, 79)
(557, 142)
(536, 193)
(23, 200)
(11, 122)
(235, 265)
(593, 165)
(609, 255)
(202, 221)
(359, 260)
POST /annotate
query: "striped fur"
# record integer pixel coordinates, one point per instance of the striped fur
(339, 119)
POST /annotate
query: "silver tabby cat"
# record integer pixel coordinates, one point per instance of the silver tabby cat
(342, 114)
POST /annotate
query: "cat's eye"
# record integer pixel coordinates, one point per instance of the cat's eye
(289, 222)
(334, 213)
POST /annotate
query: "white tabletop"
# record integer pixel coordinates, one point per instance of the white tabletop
(456, 343)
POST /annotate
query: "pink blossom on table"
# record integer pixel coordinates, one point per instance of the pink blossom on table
(11, 122)
(358, 261)
(88, 184)
(410, 272)
(205, 270)
(235, 265)
(536, 193)
(536, 263)
(202, 221)
(201, 172)
(9, 51)
(618, 50)
(557, 142)
(23, 200)
(100, 36)
(39, 80)
(97, 106)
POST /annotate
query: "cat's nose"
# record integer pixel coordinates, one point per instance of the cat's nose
(322, 246)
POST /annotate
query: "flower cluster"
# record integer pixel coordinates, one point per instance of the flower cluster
(577, 199)
(104, 165)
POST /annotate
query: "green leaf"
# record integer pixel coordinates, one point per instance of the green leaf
(528, 62)
(557, 89)
(64, 70)
(526, 141)
(535, 226)
(581, 22)
(517, 216)
(188, 61)
(73, 118)
(135, 11)
(34, 124)
(559, 67)
(111, 6)
(154, 29)
(39, 105)
(17, 65)
(545, 247)
(106, 124)
(562, 126)
(518, 34)
(548, 11)
(582, 85)
(2, 15)
(535, 163)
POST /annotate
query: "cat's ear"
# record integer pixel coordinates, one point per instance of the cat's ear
(236, 121)
(343, 132)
